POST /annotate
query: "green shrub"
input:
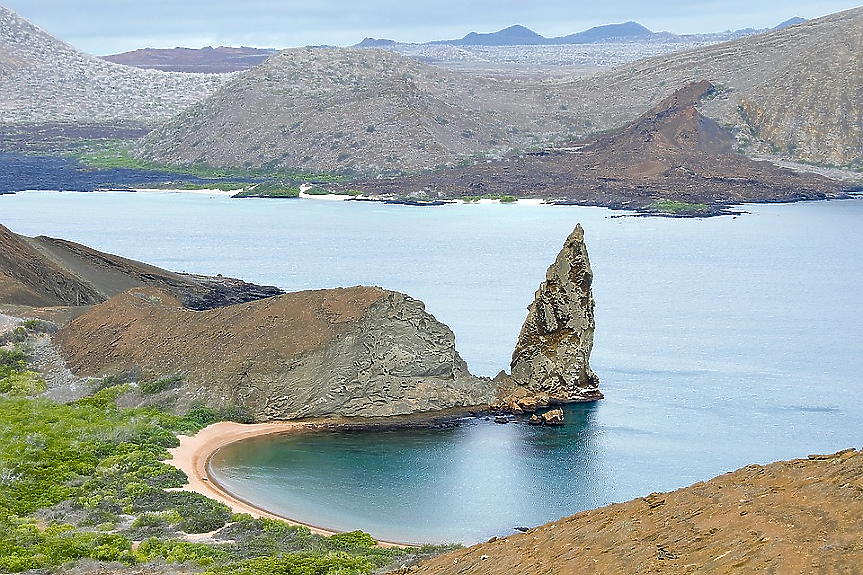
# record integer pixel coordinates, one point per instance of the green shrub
(176, 551)
(160, 385)
(297, 564)
(12, 361)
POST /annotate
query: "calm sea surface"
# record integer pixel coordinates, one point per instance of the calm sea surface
(719, 343)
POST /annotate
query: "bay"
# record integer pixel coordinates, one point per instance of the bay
(720, 342)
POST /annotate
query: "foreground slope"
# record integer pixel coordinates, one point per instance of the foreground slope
(44, 80)
(801, 516)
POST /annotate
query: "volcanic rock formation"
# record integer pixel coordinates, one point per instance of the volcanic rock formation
(550, 363)
(45, 271)
(352, 352)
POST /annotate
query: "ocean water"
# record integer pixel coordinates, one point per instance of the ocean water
(720, 342)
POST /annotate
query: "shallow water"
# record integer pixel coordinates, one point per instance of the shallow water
(719, 343)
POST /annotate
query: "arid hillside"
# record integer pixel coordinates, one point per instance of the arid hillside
(670, 153)
(352, 352)
(801, 516)
(44, 80)
(796, 91)
(330, 109)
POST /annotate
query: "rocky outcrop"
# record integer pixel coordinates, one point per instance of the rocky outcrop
(349, 352)
(550, 363)
(802, 516)
(45, 271)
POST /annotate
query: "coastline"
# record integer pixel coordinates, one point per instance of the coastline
(193, 457)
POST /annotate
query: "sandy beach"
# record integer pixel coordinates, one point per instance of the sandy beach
(194, 452)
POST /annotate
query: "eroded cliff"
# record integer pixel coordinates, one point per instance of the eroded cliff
(350, 352)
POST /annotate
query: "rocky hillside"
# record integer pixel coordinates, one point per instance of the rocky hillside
(353, 352)
(802, 516)
(44, 80)
(796, 90)
(44, 271)
(329, 109)
(672, 153)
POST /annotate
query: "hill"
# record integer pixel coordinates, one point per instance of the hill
(355, 110)
(607, 32)
(801, 516)
(207, 60)
(43, 271)
(516, 35)
(796, 91)
(352, 352)
(672, 153)
(44, 80)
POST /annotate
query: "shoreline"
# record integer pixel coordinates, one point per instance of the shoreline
(195, 452)
(193, 457)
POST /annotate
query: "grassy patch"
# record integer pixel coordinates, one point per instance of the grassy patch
(118, 154)
(677, 208)
(269, 190)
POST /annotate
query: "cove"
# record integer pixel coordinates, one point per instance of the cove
(720, 343)
(461, 483)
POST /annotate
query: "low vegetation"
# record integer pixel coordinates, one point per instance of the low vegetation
(118, 154)
(86, 481)
(269, 190)
(677, 208)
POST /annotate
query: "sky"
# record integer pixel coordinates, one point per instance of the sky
(104, 27)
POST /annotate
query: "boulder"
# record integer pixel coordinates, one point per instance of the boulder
(553, 417)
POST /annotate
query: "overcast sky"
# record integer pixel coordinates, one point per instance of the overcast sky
(110, 26)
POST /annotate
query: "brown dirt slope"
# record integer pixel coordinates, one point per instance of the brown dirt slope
(795, 91)
(361, 351)
(796, 517)
(44, 271)
(672, 152)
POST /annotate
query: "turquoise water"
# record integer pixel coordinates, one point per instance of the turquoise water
(719, 343)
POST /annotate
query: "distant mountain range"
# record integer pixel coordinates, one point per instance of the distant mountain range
(519, 35)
